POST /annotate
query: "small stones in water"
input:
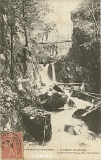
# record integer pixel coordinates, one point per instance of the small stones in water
(82, 144)
(71, 103)
(69, 129)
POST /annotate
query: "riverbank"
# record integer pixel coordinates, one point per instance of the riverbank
(68, 131)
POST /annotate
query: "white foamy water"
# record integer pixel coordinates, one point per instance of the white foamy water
(44, 75)
(67, 132)
(61, 138)
(53, 73)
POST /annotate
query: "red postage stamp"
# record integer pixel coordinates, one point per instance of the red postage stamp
(12, 145)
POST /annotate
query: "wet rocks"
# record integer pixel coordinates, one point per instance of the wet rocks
(93, 120)
(70, 129)
(37, 123)
(71, 103)
(91, 116)
(78, 113)
(53, 100)
(57, 88)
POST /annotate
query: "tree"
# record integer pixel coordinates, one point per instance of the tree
(85, 51)
(26, 14)
(10, 12)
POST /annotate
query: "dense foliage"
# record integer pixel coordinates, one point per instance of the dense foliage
(83, 58)
(19, 57)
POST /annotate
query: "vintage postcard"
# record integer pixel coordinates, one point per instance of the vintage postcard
(50, 106)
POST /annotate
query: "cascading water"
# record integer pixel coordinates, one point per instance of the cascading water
(44, 74)
(53, 73)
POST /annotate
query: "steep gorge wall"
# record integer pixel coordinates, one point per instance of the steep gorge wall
(82, 62)
(16, 58)
(85, 50)
(17, 91)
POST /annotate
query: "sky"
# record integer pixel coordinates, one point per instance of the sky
(61, 16)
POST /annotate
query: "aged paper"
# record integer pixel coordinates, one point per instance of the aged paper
(50, 80)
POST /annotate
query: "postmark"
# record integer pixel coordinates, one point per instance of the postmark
(12, 145)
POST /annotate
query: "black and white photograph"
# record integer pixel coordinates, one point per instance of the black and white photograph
(50, 101)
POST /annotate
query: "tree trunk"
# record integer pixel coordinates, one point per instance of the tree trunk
(2, 36)
(11, 51)
(26, 39)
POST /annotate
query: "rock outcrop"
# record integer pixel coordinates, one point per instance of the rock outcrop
(91, 115)
(37, 123)
(53, 100)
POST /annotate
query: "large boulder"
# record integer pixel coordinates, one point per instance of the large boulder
(91, 115)
(92, 118)
(54, 101)
(57, 88)
(37, 123)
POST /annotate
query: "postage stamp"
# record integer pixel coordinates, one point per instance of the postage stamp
(12, 145)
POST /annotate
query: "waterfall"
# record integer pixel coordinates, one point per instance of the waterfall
(44, 75)
(53, 72)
